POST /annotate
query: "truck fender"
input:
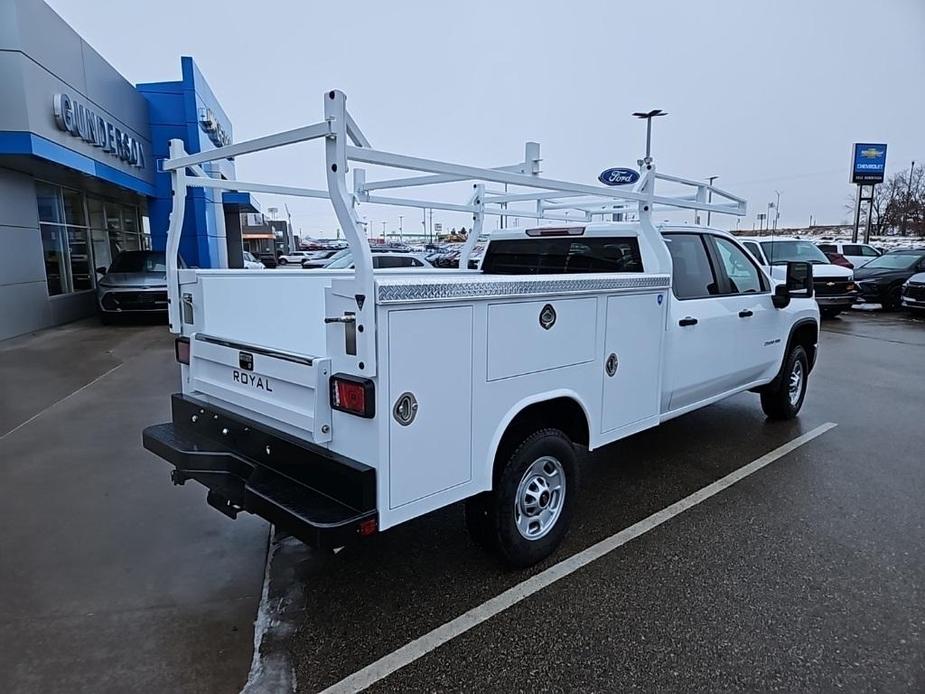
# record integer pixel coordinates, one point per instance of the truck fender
(798, 326)
(521, 405)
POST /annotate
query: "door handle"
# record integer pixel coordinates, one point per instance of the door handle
(745, 313)
(688, 320)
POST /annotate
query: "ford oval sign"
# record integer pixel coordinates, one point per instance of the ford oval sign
(618, 177)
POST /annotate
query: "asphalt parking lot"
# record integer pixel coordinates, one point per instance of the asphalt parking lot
(111, 579)
(804, 576)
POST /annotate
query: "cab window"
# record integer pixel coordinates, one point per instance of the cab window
(755, 250)
(692, 275)
(558, 256)
(741, 271)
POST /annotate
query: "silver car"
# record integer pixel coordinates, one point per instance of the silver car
(135, 283)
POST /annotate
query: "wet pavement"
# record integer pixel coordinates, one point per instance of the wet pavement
(112, 579)
(807, 575)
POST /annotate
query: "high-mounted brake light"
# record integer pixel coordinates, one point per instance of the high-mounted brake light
(353, 394)
(556, 231)
(181, 349)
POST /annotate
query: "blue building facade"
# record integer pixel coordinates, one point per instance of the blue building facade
(188, 110)
(79, 175)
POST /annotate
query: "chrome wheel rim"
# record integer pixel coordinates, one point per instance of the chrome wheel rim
(539, 499)
(796, 382)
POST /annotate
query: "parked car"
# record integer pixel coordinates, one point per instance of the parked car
(135, 283)
(381, 260)
(913, 294)
(292, 257)
(858, 254)
(320, 258)
(837, 259)
(251, 262)
(881, 280)
(268, 259)
(833, 285)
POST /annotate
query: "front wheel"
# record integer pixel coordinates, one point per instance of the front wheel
(527, 514)
(785, 400)
(892, 300)
(281, 261)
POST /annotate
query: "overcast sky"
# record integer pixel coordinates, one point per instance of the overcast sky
(767, 95)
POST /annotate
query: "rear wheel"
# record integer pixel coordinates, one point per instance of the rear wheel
(281, 261)
(785, 400)
(527, 514)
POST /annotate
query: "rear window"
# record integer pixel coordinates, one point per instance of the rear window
(562, 256)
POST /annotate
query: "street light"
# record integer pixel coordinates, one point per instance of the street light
(654, 113)
(710, 196)
(777, 210)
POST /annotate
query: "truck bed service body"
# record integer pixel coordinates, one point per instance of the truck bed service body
(395, 393)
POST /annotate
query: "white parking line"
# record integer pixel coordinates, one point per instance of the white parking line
(423, 645)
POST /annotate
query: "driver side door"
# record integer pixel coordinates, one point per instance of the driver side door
(757, 346)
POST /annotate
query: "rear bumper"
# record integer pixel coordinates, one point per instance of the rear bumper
(322, 498)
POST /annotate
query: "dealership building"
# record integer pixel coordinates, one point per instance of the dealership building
(79, 179)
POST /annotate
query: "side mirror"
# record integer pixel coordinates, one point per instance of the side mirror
(800, 279)
(799, 283)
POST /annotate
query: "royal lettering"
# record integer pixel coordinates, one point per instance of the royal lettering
(252, 380)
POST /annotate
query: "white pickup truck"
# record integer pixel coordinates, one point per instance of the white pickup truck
(400, 392)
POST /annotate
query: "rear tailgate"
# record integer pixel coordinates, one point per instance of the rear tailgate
(283, 387)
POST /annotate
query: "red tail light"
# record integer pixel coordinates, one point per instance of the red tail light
(353, 394)
(181, 350)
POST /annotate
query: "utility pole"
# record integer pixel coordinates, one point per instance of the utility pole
(383, 231)
(902, 227)
(401, 228)
(710, 196)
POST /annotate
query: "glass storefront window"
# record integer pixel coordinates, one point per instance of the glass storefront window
(49, 201)
(81, 233)
(55, 263)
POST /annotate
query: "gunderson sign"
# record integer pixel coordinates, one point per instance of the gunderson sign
(81, 121)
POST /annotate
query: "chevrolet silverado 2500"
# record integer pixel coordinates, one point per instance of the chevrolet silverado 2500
(574, 331)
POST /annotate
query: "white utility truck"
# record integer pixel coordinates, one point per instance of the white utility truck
(399, 392)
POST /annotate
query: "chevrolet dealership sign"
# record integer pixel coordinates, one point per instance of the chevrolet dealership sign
(73, 117)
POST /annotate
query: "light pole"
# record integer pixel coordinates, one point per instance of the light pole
(710, 196)
(654, 113)
(401, 228)
(777, 210)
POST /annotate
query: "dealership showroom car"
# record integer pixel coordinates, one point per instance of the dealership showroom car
(913, 294)
(135, 283)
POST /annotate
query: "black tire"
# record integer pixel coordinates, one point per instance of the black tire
(892, 299)
(829, 312)
(282, 261)
(778, 402)
(500, 530)
(107, 318)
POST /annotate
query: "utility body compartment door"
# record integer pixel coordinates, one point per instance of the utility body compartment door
(635, 327)
(430, 361)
